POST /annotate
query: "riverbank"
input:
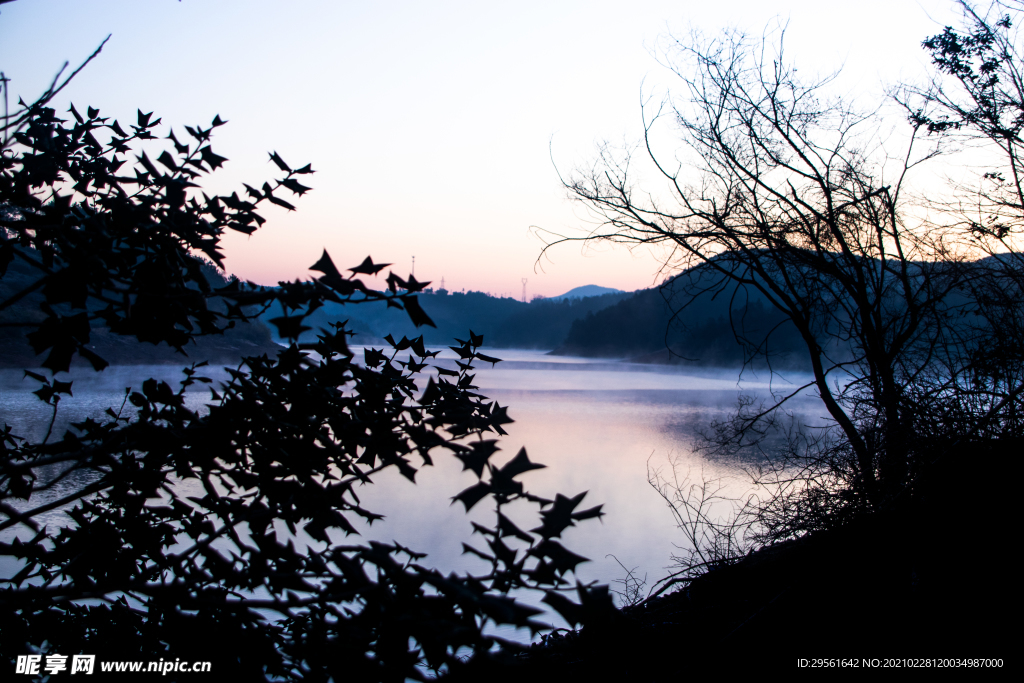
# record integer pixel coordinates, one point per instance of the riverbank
(924, 584)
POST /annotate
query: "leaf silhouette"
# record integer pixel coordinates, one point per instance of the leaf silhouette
(279, 162)
(368, 267)
(417, 315)
(473, 495)
(289, 326)
(477, 456)
(326, 266)
(295, 186)
(520, 464)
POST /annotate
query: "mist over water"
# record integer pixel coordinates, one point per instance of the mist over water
(598, 426)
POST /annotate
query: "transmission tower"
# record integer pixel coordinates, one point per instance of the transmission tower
(524, 290)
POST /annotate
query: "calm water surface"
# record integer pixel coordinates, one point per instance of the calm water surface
(597, 425)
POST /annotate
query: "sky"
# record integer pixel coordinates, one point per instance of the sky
(437, 130)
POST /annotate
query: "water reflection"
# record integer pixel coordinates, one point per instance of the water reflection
(598, 426)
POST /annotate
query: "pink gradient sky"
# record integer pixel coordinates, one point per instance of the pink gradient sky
(435, 128)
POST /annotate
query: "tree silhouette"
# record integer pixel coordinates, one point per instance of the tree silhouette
(784, 194)
(216, 534)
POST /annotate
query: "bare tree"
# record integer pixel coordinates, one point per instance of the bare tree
(713, 539)
(781, 191)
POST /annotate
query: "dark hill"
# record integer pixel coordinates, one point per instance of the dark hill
(701, 317)
(504, 322)
(653, 325)
(242, 340)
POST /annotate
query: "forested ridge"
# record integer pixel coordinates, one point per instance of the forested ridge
(716, 328)
(700, 318)
(504, 322)
(639, 326)
(651, 326)
(228, 347)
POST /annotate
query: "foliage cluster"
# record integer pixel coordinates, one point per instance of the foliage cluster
(214, 533)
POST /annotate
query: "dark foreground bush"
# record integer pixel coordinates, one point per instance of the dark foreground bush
(220, 534)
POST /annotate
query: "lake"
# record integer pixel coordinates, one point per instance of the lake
(598, 426)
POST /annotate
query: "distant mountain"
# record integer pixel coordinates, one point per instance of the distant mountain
(585, 291)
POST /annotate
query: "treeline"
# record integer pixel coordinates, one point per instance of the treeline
(716, 327)
(701, 317)
(646, 329)
(504, 322)
(694, 318)
(644, 326)
(23, 317)
(640, 326)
